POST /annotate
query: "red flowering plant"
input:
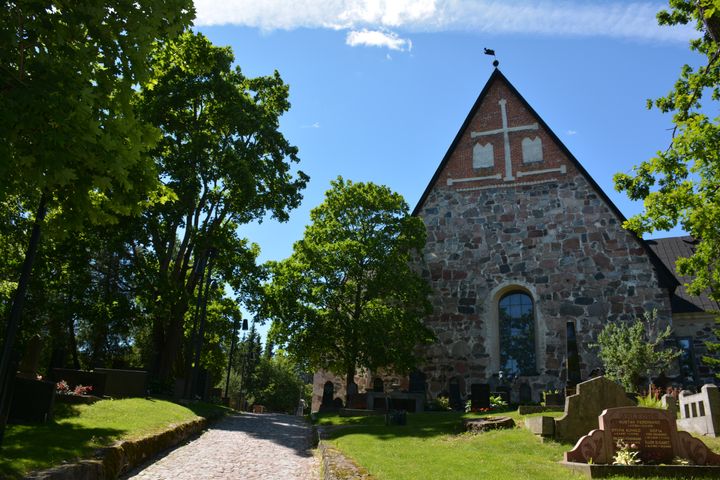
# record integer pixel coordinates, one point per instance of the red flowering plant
(62, 388)
(82, 390)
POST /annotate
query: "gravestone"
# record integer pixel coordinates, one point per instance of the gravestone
(30, 362)
(502, 392)
(33, 401)
(582, 409)
(378, 385)
(652, 432)
(479, 396)
(700, 412)
(352, 390)
(328, 394)
(417, 382)
(455, 397)
(525, 393)
(124, 383)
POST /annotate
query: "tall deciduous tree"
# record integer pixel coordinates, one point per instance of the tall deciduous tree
(69, 140)
(224, 158)
(347, 297)
(681, 185)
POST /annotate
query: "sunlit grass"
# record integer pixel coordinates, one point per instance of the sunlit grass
(433, 445)
(80, 429)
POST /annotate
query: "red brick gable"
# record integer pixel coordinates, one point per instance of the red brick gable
(480, 158)
(457, 172)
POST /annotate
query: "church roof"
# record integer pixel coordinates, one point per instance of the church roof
(669, 250)
(666, 276)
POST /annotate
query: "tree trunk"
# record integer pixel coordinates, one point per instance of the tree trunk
(350, 380)
(8, 360)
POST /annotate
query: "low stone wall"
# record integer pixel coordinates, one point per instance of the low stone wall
(122, 457)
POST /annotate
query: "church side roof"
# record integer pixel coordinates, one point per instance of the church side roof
(666, 276)
(669, 250)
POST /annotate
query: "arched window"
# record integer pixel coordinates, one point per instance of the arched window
(517, 334)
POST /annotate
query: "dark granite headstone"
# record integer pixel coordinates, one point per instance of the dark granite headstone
(328, 394)
(455, 397)
(479, 396)
(32, 401)
(417, 382)
(352, 389)
(30, 362)
(525, 393)
(124, 383)
(502, 392)
(378, 385)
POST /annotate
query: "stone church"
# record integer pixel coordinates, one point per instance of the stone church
(527, 260)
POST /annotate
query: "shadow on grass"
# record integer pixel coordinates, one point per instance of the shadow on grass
(419, 425)
(33, 447)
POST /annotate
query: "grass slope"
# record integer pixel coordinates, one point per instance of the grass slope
(432, 445)
(80, 429)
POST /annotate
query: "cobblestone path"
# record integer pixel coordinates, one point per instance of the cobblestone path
(247, 446)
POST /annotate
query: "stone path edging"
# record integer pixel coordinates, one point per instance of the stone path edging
(111, 462)
(335, 465)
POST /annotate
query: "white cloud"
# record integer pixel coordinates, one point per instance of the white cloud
(571, 132)
(599, 18)
(313, 125)
(376, 38)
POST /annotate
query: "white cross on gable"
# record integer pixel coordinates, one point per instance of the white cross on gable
(505, 130)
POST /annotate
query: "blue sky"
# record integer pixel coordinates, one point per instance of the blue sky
(379, 88)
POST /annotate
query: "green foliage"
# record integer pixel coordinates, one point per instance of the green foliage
(440, 404)
(226, 163)
(68, 130)
(278, 385)
(632, 351)
(679, 186)
(626, 454)
(650, 401)
(347, 297)
(496, 401)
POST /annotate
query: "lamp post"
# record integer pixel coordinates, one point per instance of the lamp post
(236, 324)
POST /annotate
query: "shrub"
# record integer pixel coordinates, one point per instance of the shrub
(440, 404)
(496, 401)
(630, 352)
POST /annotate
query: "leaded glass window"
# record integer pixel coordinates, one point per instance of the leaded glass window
(517, 334)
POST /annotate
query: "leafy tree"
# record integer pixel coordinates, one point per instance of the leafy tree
(69, 140)
(222, 156)
(630, 352)
(277, 384)
(681, 185)
(347, 297)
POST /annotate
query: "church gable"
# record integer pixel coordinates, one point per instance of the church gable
(503, 144)
(526, 256)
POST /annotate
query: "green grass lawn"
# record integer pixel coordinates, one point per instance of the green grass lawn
(80, 429)
(433, 446)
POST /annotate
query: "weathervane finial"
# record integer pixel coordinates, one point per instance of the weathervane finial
(489, 51)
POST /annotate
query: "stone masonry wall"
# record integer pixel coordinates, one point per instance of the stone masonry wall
(557, 241)
(510, 210)
(701, 328)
